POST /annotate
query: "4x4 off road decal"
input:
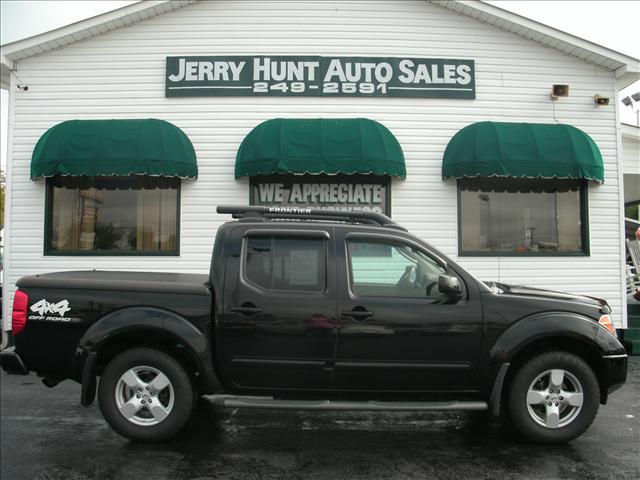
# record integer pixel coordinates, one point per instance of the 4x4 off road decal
(46, 311)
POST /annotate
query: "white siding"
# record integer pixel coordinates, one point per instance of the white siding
(121, 75)
(631, 155)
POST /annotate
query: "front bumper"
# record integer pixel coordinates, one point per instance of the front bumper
(616, 366)
(11, 362)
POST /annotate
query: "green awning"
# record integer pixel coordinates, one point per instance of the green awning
(522, 150)
(315, 146)
(114, 148)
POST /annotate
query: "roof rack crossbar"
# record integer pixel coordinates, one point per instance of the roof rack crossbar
(286, 216)
(303, 213)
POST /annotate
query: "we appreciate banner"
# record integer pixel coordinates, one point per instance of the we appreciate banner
(193, 76)
(341, 192)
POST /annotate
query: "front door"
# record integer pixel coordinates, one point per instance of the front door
(397, 331)
(277, 329)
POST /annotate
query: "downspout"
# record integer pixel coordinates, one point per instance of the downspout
(6, 274)
(621, 227)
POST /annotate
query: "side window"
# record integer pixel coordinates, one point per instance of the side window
(392, 269)
(285, 264)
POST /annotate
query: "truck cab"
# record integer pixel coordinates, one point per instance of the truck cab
(319, 306)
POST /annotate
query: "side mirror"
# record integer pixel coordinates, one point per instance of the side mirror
(449, 286)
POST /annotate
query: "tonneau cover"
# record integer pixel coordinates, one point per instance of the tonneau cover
(156, 282)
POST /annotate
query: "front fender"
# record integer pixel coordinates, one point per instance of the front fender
(553, 324)
(540, 326)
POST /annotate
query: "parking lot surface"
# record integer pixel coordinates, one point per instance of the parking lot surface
(46, 434)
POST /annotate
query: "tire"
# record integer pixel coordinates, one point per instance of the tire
(146, 395)
(544, 413)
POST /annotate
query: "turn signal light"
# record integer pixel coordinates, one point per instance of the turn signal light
(605, 321)
(19, 315)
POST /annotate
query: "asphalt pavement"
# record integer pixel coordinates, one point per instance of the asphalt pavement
(45, 434)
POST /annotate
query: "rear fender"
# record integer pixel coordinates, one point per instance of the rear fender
(143, 318)
(120, 323)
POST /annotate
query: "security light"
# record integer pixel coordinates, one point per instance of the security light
(627, 101)
(558, 91)
(636, 97)
(561, 90)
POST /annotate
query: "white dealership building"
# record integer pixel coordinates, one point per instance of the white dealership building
(487, 134)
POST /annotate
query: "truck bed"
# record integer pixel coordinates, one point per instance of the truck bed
(73, 311)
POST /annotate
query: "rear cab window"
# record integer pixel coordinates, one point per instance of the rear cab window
(285, 262)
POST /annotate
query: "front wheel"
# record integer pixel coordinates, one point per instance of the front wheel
(554, 397)
(145, 395)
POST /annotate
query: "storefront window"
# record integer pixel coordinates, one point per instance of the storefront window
(112, 215)
(522, 216)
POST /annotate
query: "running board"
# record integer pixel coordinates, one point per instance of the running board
(268, 402)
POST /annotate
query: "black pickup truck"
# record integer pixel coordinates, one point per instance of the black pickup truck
(317, 309)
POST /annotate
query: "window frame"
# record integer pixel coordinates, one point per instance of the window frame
(321, 235)
(48, 227)
(380, 237)
(584, 231)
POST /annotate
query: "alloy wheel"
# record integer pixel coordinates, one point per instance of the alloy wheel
(144, 395)
(555, 398)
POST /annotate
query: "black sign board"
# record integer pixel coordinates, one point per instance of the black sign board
(342, 192)
(199, 76)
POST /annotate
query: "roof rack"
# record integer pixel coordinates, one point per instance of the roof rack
(303, 213)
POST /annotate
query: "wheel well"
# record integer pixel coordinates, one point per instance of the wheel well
(151, 339)
(565, 344)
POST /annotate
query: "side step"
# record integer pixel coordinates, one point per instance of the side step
(269, 402)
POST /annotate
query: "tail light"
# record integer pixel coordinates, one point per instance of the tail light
(19, 315)
(605, 321)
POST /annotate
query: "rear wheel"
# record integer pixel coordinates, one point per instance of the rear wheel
(146, 395)
(554, 397)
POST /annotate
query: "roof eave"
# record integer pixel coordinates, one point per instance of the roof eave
(625, 67)
(90, 27)
(584, 49)
(6, 67)
(630, 132)
(626, 75)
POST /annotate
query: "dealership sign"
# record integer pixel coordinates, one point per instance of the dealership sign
(197, 76)
(342, 192)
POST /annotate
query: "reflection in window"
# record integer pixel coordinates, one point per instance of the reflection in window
(113, 214)
(386, 269)
(522, 216)
(276, 263)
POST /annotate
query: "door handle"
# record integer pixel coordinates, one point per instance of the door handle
(358, 313)
(247, 309)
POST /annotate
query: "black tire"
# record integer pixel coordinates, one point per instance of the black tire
(145, 426)
(528, 418)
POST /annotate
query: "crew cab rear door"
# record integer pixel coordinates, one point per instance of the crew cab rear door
(397, 331)
(277, 329)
